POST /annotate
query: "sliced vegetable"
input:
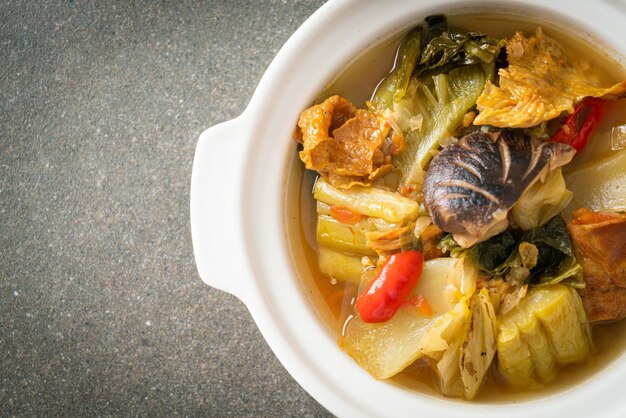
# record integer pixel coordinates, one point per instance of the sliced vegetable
(463, 344)
(580, 124)
(599, 184)
(391, 287)
(448, 329)
(479, 345)
(369, 201)
(443, 344)
(341, 237)
(340, 266)
(548, 329)
(365, 223)
(542, 201)
(384, 349)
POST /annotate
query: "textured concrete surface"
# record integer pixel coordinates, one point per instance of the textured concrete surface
(101, 309)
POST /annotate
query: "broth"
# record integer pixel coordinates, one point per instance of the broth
(334, 299)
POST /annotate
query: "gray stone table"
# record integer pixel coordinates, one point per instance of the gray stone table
(101, 309)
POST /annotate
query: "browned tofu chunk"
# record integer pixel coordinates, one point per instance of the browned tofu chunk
(599, 240)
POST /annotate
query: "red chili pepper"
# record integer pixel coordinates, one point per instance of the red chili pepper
(391, 287)
(579, 125)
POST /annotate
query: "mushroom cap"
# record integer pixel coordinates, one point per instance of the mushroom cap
(471, 185)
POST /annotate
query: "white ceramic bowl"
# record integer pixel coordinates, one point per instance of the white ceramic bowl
(243, 239)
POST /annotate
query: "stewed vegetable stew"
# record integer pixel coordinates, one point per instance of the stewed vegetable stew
(467, 219)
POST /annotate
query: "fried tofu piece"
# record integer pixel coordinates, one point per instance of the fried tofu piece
(539, 84)
(599, 240)
(342, 143)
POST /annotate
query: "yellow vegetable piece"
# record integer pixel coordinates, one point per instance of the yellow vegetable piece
(514, 358)
(540, 82)
(463, 344)
(368, 201)
(479, 344)
(341, 237)
(443, 332)
(340, 266)
(548, 329)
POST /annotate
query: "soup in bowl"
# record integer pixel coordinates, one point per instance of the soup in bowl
(449, 216)
(312, 244)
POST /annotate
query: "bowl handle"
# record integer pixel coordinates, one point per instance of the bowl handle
(215, 207)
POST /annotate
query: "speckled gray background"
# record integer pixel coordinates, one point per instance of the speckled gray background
(101, 308)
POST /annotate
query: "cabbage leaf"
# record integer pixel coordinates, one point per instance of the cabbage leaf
(394, 86)
(463, 344)
(542, 201)
(385, 349)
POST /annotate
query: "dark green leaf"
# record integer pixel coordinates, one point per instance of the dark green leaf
(495, 255)
(435, 26)
(555, 261)
(567, 272)
(553, 234)
(433, 50)
(453, 49)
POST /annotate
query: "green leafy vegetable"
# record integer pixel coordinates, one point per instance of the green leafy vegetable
(500, 255)
(442, 101)
(452, 49)
(432, 88)
(494, 255)
(569, 272)
(553, 234)
(394, 86)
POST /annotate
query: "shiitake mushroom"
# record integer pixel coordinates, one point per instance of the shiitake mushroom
(471, 184)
